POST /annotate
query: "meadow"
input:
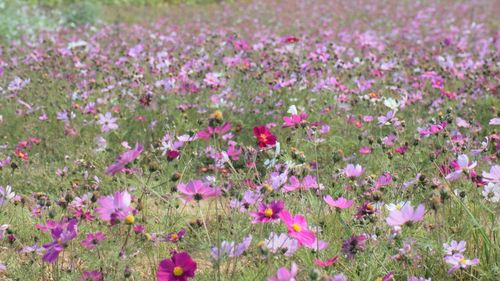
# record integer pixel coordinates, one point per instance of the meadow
(279, 140)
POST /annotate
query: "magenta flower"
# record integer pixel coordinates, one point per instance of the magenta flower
(352, 171)
(463, 165)
(458, 261)
(210, 131)
(91, 276)
(326, 263)
(114, 207)
(283, 274)
(92, 240)
(294, 119)
(63, 232)
(297, 228)
(180, 267)
(197, 190)
(406, 215)
(124, 159)
(339, 203)
(268, 212)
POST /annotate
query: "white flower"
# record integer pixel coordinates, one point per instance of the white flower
(6, 195)
(491, 192)
(293, 110)
(392, 207)
(391, 103)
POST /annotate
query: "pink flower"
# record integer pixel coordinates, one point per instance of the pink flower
(307, 183)
(180, 267)
(339, 203)
(327, 262)
(352, 171)
(92, 240)
(298, 229)
(264, 136)
(124, 159)
(406, 215)
(197, 190)
(283, 274)
(492, 176)
(113, 208)
(463, 165)
(268, 212)
(207, 133)
(294, 119)
(365, 150)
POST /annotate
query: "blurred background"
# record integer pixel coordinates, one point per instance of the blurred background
(24, 18)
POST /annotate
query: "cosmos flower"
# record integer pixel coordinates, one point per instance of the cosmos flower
(197, 190)
(406, 215)
(62, 233)
(458, 261)
(297, 228)
(264, 136)
(491, 192)
(463, 166)
(91, 276)
(6, 195)
(493, 175)
(281, 243)
(352, 171)
(107, 122)
(283, 274)
(268, 212)
(294, 119)
(353, 245)
(114, 207)
(180, 267)
(307, 183)
(231, 249)
(92, 240)
(326, 263)
(124, 159)
(454, 247)
(175, 236)
(339, 203)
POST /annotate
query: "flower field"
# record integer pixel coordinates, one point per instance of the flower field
(254, 140)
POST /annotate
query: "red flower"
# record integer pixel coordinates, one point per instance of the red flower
(264, 136)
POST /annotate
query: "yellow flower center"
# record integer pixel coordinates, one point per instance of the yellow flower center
(267, 187)
(268, 212)
(379, 279)
(296, 227)
(178, 271)
(263, 137)
(462, 261)
(129, 219)
(217, 114)
(174, 236)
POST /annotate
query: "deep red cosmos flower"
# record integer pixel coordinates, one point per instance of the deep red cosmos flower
(264, 136)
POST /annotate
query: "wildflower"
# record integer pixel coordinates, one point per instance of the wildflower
(3, 230)
(367, 209)
(493, 175)
(491, 192)
(211, 131)
(339, 203)
(297, 228)
(414, 278)
(307, 183)
(454, 247)
(353, 245)
(62, 233)
(231, 249)
(463, 165)
(124, 159)
(268, 212)
(180, 267)
(406, 215)
(6, 194)
(327, 262)
(114, 207)
(458, 261)
(107, 122)
(294, 119)
(175, 236)
(264, 136)
(352, 171)
(282, 243)
(283, 274)
(92, 240)
(91, 276)
(338, 277)
(197, 190)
